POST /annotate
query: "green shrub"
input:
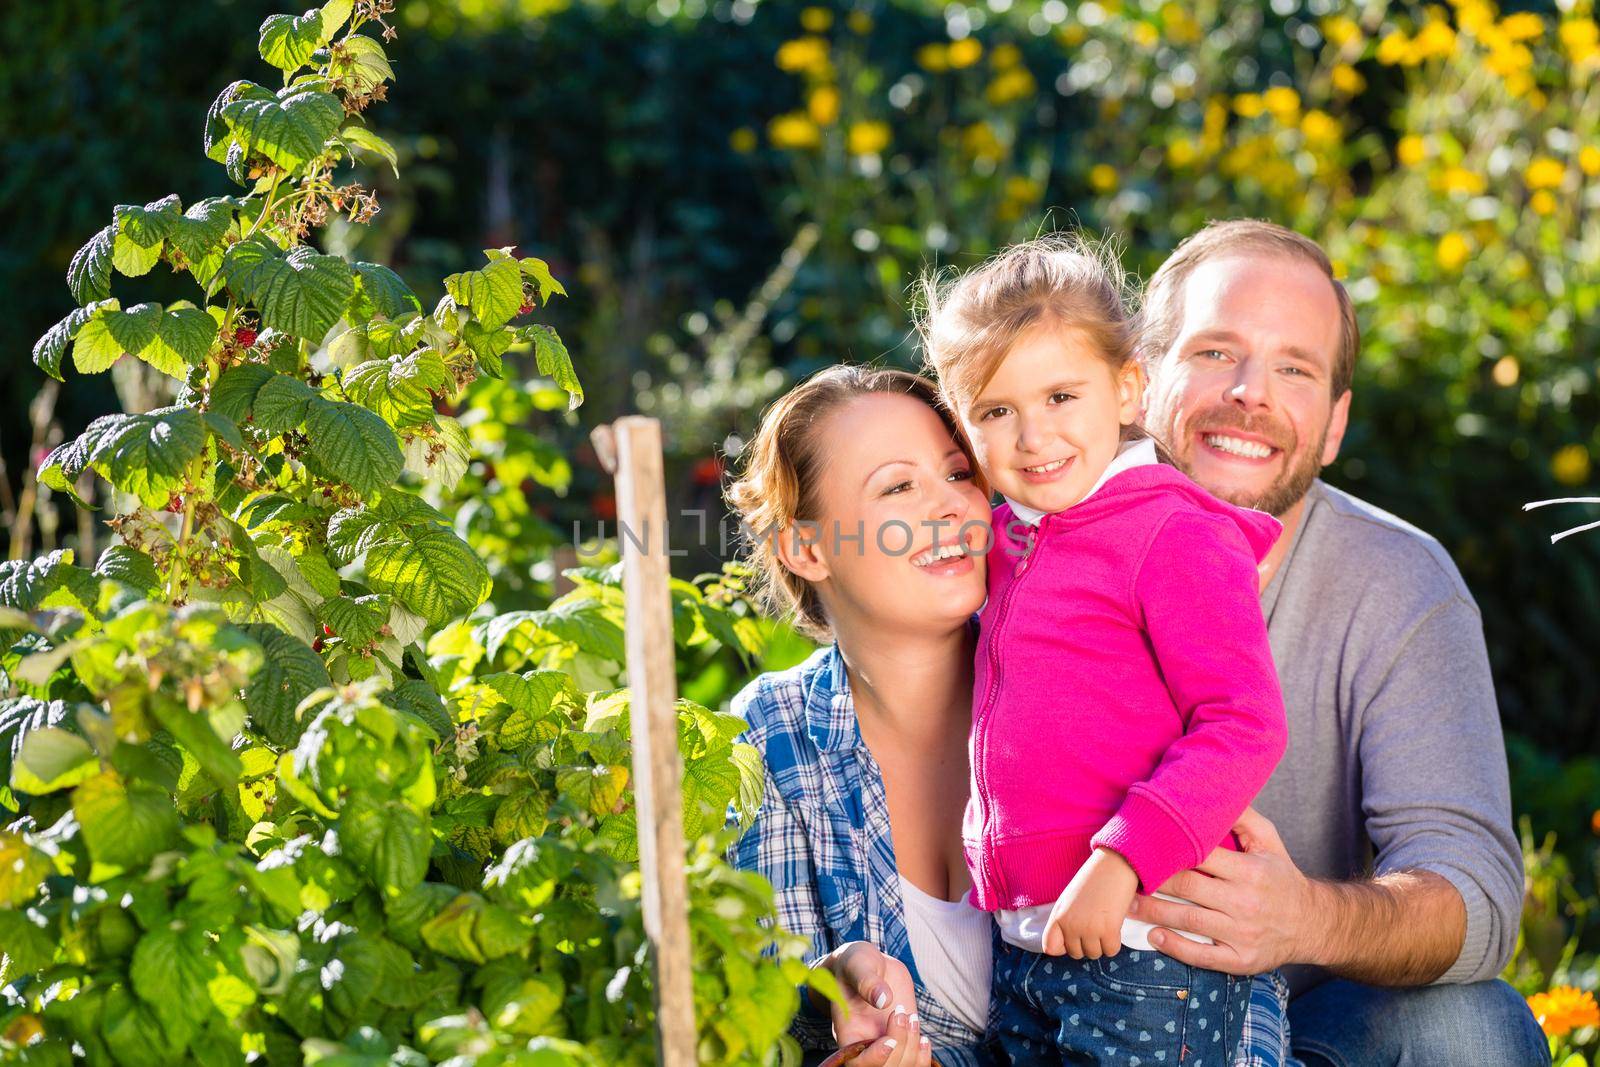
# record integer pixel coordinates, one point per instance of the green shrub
(282, 783)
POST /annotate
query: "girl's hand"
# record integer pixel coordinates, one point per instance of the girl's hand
(901, 1046)
(1087, 919)
(874, 984)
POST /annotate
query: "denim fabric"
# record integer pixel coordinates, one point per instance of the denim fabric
(1134, 1008)
(1347, 1024)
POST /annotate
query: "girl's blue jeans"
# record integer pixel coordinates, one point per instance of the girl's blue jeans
(1135, 1008)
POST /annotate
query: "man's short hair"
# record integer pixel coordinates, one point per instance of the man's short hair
(1163, 301)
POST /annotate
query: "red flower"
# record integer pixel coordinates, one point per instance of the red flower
(605, 506)
(708, 471)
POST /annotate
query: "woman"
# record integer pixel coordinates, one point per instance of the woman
(852, 479)
(865, 742)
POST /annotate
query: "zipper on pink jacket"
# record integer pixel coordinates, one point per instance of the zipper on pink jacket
(980, 735)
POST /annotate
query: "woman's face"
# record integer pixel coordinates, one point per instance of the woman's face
(903, 527)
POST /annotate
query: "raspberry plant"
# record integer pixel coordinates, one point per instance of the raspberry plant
(280, 785)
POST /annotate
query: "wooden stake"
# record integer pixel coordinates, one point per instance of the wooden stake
(631, 447)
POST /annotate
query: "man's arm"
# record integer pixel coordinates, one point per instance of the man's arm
(1446, 895)
(1403, 928)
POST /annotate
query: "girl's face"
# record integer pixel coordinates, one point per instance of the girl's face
(1049, 422)
(895, 485)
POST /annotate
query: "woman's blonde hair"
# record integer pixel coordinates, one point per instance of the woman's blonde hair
(968, 322)
(783, 468)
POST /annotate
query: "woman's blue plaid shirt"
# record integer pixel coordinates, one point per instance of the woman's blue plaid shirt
(822, 839)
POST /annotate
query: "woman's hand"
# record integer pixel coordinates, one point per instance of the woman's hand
(902, 1046)
(874, 984)
(1087, 919)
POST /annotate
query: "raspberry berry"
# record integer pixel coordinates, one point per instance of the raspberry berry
(245, 336)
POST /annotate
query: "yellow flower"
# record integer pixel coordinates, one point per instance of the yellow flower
(1340, 30)
(1005, 56)
(1506, 371)
(980, 142)
(1103, 177)
(1283, 102)
(934, 58)
(1010, 86)
(1411, 150)
(868, 138)
(1475, 17)
(1523, 26)
(1145, 35)
(1181, 26)
(859, 22)
(1021, 188)
(803, 54)
(816, 19)
(1542, 202)
(964, 53)
(823, 105)
(794, 130)
(1589, 160)
(1462, 180)
(1321, 129)
(1248, 105)
(1564, 1009)
(1581, 39)
(1544, 173)
(1594, 822)
(1348, 80)
(1182, 152)
(1452, 251)
(1394, 49)
(1434, 41)
(742, 140)
(1509, 59)
(1072, 35)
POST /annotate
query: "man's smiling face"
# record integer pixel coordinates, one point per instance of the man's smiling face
(1243, 396)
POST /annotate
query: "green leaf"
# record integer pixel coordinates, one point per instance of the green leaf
(288, 42)
(364, 140)
(488, 345)
(124, 825)
(554, 361)
(29, 944)
(134, 1034)
(199, 232)
(194, 731)
(89, 273)
(384, 290)
(234, 393)
(283, 403)
(290, 671)
(145, 454)
(353, 445)
(387, 841)
(131, 567)
(111, 333)
(291, 129)
(224, 429)
(132, 259)
(169, 971)
(302, 293)
(52, 759)
(183, 338)
(428, 569)
(493, 294)
(218, 138)
(49, 349)
(470, 928)
(400, 390)
(539, 271)
(361, 64)
(150, 225)
(595, 789)
(31, 584)
(355, 620)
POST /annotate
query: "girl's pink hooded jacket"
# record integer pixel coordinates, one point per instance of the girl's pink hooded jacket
(1125, 694)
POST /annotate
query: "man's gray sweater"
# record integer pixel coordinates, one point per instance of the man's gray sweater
(1395, 758)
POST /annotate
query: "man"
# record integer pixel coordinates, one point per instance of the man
(1388, 881)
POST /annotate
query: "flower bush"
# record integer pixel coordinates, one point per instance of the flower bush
(282, 781)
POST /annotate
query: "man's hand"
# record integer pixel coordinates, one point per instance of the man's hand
(1087, 918)
(1255, 904)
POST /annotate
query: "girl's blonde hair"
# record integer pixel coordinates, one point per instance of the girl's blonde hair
(969, 322)
(783, 468)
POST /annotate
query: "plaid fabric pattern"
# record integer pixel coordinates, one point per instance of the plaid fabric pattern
(822, 839)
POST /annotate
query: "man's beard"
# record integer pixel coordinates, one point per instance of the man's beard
(1288, 489)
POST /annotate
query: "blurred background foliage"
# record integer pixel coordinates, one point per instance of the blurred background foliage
(739, 192)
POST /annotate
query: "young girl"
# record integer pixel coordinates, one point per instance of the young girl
(1126, 708)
